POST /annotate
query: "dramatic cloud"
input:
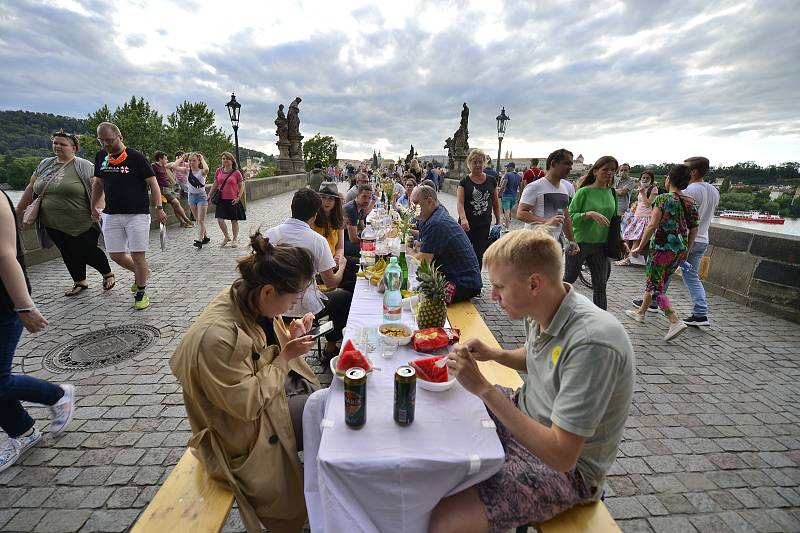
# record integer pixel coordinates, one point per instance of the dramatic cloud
(648, 81)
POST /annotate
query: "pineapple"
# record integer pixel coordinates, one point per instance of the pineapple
(432, 311)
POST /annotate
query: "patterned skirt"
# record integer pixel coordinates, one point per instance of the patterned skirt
(635, 228)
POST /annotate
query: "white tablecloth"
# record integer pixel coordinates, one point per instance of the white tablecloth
(383, 477)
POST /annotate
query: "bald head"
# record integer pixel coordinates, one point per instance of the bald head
(427, 200)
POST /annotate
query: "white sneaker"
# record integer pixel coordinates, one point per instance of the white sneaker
(62, 412)
(13, 449)
(634, 315)
(675, 330)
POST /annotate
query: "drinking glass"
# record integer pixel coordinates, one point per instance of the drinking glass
(362, 262)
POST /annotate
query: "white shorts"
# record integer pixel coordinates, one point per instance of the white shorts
(126, 233)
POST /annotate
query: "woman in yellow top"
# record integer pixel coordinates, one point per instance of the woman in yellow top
(245, 383)
(330, 220)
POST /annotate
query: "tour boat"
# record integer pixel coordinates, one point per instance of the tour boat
(752, 216)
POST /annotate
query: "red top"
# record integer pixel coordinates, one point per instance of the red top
(231, 189)
(532, 174)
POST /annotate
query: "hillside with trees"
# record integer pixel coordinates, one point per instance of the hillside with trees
(24, 133)
(25, 136)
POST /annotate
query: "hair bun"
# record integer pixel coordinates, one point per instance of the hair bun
(260, 244)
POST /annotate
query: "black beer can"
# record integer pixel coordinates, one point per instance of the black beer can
(355, 397)
(405, 394)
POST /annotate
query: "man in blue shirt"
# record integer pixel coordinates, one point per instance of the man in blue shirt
(509, 190)
(443, 240)
(489, 170)
(355, 219)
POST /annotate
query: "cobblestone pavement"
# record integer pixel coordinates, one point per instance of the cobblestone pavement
(712, 444)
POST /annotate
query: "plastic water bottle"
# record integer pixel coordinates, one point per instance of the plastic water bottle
(392, 299)
(368, 245)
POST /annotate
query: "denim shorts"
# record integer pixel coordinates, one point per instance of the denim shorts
(198, 198)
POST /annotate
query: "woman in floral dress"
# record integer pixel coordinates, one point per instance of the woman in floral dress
(673, 227)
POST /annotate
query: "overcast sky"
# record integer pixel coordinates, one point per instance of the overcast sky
(646, 81)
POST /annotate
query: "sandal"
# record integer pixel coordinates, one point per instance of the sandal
(623, 263)
(225, 243)
(76, 289)
(108, 285)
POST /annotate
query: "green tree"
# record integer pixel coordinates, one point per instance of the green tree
(737, 201)
(142, 126)
(190, 128)
(267, 171)
(726, 185)
(319, 148)
(17, 171)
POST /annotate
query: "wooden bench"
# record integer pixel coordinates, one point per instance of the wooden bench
(187, 501)
(590, 518)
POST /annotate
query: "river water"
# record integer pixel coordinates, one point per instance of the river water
(790, 227)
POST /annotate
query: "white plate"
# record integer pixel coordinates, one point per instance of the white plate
(436, 387)
(337, 375)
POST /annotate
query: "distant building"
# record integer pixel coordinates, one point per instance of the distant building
(521, 163)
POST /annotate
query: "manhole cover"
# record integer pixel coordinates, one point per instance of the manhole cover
(101, 348)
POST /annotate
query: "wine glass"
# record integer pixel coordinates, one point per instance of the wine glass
(362, 263)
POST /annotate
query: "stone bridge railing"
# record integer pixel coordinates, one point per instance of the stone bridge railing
(255, 189)
(755, 268)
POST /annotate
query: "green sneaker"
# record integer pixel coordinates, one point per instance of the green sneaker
(144, 303)
(134, 287)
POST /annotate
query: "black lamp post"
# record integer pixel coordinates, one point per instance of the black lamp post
(502, 118)
(234, 108)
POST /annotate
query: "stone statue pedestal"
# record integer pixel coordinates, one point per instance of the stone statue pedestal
(459, 169)
(285, 164)
(296, 155)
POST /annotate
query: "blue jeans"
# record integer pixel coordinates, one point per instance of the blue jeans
(14, 419)
(691, 278)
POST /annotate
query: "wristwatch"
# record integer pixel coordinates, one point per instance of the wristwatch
(25, 309)
(160, 207)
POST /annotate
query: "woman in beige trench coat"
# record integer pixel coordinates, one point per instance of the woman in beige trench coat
(240, 368)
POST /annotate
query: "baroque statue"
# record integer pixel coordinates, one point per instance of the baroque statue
(294, 119)
(282, 125)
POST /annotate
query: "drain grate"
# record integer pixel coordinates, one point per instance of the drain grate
(100, 349)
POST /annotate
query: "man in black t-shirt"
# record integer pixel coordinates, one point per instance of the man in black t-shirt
(122, 177)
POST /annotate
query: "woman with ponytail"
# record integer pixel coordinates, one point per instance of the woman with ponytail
(245, 383)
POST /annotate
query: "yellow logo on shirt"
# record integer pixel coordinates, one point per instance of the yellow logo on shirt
(555, 354)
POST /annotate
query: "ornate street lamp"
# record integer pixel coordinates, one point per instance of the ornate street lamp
(502, 118)
(234, 108)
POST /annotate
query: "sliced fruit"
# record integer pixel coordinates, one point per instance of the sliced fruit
(427, 370)
(348, 346)
(351, 359)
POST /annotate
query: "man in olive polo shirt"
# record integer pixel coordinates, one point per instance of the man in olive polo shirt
(562, 429)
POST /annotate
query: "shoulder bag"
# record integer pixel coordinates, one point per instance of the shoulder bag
(31, 214)
(217, 193)
(614, 246)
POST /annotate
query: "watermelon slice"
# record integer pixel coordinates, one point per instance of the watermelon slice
(351, 359)
(427, 370)
(348, 346)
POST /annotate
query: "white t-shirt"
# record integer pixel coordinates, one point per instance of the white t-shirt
(297, 233)
(706, 199)
(546, 200)
(196, 190)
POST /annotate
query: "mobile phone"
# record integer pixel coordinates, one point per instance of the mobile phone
(319, 331)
